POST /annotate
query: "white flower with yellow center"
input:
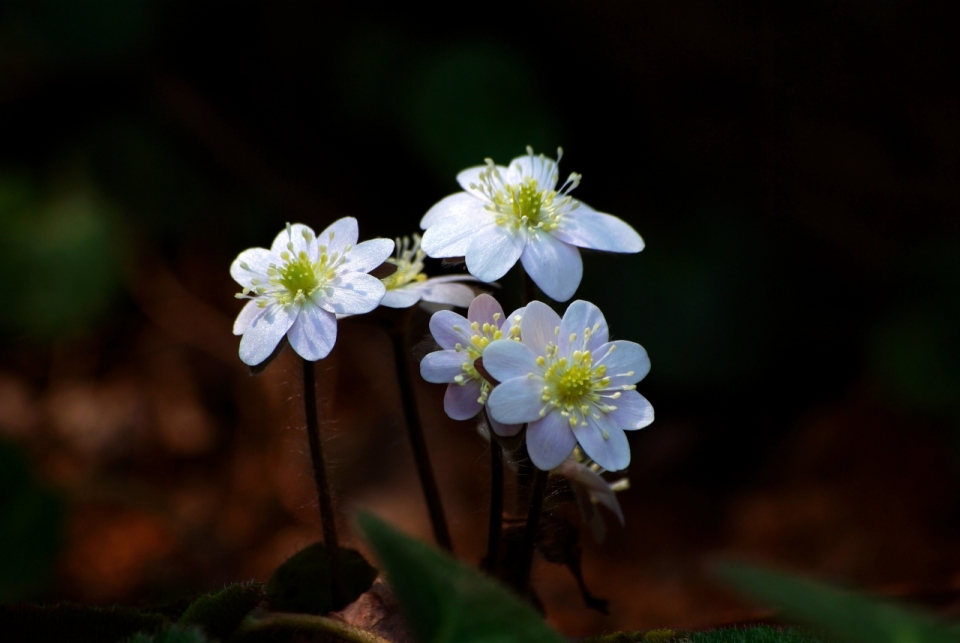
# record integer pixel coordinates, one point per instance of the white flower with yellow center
(463, 341)
(517, 212)
(408, 284)
(298, 286)
(570, 385)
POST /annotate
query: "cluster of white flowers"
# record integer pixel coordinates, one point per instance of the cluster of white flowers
(561, 378)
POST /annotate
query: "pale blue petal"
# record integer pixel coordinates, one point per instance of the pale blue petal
(471, 176)
(516, 401)
(402, 297)
(539, 326)
(247, 315)
(493, 251)
(536, 166)
(626, 362)
(294, 236)
(604, 442)
(506, 430)
(366, 256)
(633, 411)
(462, 402)
(579, 316)
(550, 441)
(587, 228)
(483, 308)
(257, 261)
(451, 236)
(457, 204)
(450, 329)
(338, 235)
(265, 332)
(506, 359)
(354, 293)
(556, 267)
(440, 367)
(314, 332)
(453, 294)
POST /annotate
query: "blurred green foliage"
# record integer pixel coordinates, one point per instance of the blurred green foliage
(31, 528)
(61, 255)
(446, 601)
(851, 617)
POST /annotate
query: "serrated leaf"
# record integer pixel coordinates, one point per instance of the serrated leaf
(302, 583)
(445, 601)
(219, 614)
(849, 616)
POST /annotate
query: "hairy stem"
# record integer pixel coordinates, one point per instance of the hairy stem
(420, 454)
(496, 505)
(525, 565)
(324, 495)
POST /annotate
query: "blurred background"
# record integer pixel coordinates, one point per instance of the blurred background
(792, 168)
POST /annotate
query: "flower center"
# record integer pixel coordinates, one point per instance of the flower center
(479, 340)
(527, 205)
(573, 385)
(409, 263)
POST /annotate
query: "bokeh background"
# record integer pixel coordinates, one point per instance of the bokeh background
(793, 168)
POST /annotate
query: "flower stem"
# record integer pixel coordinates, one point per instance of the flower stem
(324, 495)
(522, 582)
(420, 454)
(496, 505)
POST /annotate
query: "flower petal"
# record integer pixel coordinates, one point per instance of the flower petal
(338, 235)
(539, 326)
(511, 320)
(598, 488)
(556, 267)
(440, 367)
(550, 441)
(517, 400)
(447, 293)
(265, 332)
(633, 411)
(402, 297)
(471, 176)
(367, 255)
(493, 251)
(506, 430)
(450, 329)
(536, 166)
(506, 359)
(579, 316)
(257, 261)
(294, 236)
(314, 332)
(451, 235)
(626, 362)
(460, 203)
(461, 402)
(483, 308)
(604, 442)
(246, 317)
(353, 292)
(587, 228)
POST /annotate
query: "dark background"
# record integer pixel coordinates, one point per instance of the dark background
(792, 167)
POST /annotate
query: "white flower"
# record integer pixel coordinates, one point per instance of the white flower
(297, 287)
(408, 284)
(463, 341)
(517, 212)
(571, 385)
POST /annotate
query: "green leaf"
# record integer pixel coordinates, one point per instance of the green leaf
(220, 614)
(446, 601)
(849, 616)
(75, 623)
(302, 584)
